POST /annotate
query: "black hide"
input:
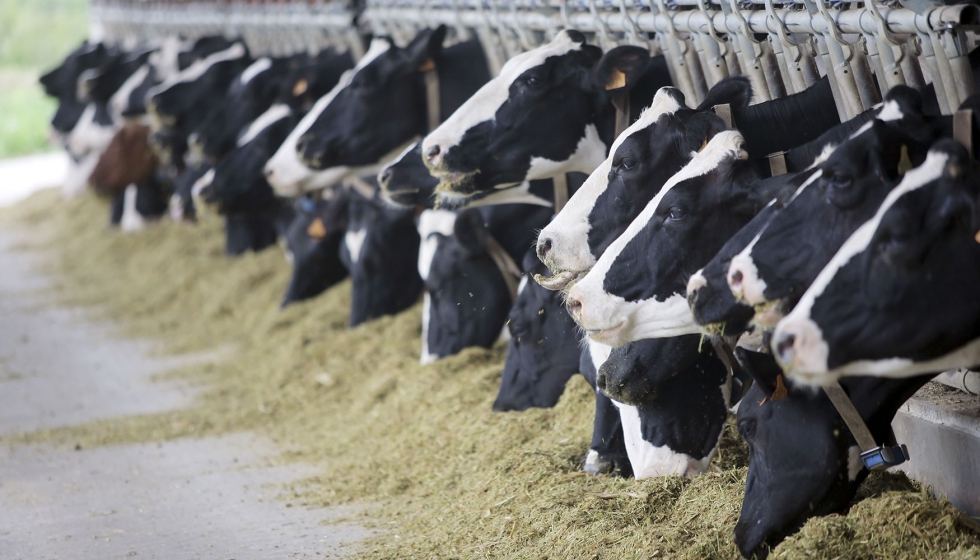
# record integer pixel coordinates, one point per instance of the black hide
(313, 240)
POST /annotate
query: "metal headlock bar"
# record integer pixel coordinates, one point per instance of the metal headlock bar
(864, 47)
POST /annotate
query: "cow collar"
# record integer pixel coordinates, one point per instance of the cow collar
(508, 268)
(875, 457)
(430, 74)
(360, 186)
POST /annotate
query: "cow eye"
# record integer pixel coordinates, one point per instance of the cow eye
(627, 163)
(532, 81)
(840, 181)
(676, 214)
(747, 428)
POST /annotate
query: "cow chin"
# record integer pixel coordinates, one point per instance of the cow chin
(610, 336)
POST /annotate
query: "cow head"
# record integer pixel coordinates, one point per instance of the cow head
(897, 300)
(641, 160)
(63, 80)
(637, 288)
(406, 181)
(803, 460)
(543, 351)
(313, 245)
(467, 298)
(379, 109)
(772, 272)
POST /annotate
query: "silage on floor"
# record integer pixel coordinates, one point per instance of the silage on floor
(450, 478)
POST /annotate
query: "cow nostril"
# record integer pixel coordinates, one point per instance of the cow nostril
(268, 172)
(384, 178)
(544, 247)
(600, 382)
(736, 279)
(784, 348)
(574, 306)
(432, 153)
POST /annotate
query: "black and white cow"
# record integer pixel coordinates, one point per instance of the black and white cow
(649, 152)
(467, 284)
(381, 251)
(677, 395)
(777, 265)
(313, 242)
(182, 205)
(607, 451)
(637, 289)
(376, 110)
(803, 460)
(543, 351)
(549, 111)
(62, 83)
(900, 297)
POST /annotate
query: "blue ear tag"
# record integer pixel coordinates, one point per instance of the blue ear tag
(307, 205)
(884, 457)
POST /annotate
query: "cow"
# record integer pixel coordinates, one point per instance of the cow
(674, 395)
(899, 297)
(127, 160)
(139, 204)
(381, 251)
(543, 350)
(313, 242)
(777, 265)
(380, 107)
(182, 205)
(62, 83)
(549, 111)
(607, 451)
(468, 263)
(803, 459)
(637, 289)
(648, 153)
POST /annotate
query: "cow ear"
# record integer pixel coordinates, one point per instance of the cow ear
(620, 68)
(470, 232)
(734, 90)
(700, 129)
(425, 47)
(762, 368)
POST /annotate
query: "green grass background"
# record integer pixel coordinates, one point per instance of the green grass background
(34, 36)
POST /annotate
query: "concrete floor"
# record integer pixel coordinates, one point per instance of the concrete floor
(194, 498)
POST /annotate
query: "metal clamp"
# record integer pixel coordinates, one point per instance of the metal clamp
(884, 457)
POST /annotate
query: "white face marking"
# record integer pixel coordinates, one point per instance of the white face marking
(809, 353)
(165, 61)
(88, 136)
(199, 185)
(286, 173)
(254, 69)
(483, 105)
(273, 115)
(354, 240)
(522, 285)
(432, 222)
(196, 70)
(611, 318)
(120, 100)
(425, 357)
(569, 231)
(696, 282)
(890, 111)
(131, 220)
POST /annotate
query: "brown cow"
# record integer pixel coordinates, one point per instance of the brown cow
(127, 160)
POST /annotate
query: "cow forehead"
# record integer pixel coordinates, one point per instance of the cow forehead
(254, 69)
(930, 170)
(562, 44)
(432, 221)
(724, 145)
(273, 115)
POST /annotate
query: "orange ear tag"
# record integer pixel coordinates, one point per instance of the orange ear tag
(317, 230)
(616, 80)
(780, 391)
(703, 144)
(428, 65)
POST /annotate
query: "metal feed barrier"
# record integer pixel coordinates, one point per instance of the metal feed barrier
(782, 47)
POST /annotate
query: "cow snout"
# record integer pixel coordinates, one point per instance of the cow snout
(434, 155)
(744, 281)
(384, 177)
(544, 247)
(800, 349)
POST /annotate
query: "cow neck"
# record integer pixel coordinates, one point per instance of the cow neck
(875, 457)
(508, 268)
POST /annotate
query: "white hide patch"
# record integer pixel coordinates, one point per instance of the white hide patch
(354, 240)
(88, 136)
(165, 60)
(426, 358)
(611, 318)
(132, 221)
(432, 222)
(286, 173)
(120, 100)
(808, 361)
(254, 69)
(273, 115)
(197, 69)
(569, 231)
(482, 106)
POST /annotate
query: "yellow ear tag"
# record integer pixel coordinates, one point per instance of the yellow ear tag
(905, 162)
(780, 391)
(703, 144)
(300, 87)
(428, 65)
(616, 80)
(317, 230)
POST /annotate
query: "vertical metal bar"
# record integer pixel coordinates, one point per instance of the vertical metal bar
(824, 53)
(929, 59)
(862, 77)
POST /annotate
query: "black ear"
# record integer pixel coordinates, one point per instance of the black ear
(470, 232)
(909, 100)
(425, 46)
(761, 367)
(733, 90)
(700, 129)
(620, 68)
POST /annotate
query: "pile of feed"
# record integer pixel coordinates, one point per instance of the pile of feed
(444, 476)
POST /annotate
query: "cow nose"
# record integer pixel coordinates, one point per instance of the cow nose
(384, 177)
(574, 307)
(268, 172)
(434, 155)
(735, 280)
(785, 345)
(543, 248)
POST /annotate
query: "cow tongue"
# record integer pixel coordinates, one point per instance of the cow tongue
(559, 281)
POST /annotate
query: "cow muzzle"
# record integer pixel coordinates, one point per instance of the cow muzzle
(744, 281)
(799, 347)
